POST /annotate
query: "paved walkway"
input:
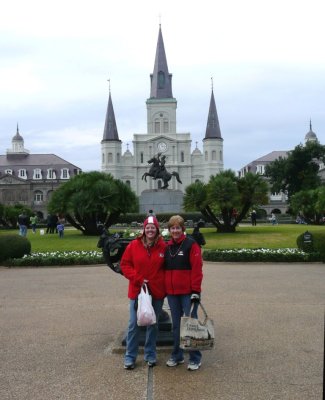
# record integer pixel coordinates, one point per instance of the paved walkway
(59, 330)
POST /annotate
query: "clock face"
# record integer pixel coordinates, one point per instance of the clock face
(162, 146)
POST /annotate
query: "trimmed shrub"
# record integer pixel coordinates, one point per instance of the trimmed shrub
(57, 258)
(317, 244)
(259, 255)
(13, 246)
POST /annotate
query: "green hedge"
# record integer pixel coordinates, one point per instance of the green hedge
(260, 255)
(13, 246)
(57, 258)
(317, 243)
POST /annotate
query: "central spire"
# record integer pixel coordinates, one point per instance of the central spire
(213, 127)
(161, 79)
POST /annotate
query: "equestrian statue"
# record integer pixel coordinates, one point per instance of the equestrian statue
(158, 171)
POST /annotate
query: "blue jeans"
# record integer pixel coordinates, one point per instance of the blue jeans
(181, 305)
(22, 230)
(132, 336)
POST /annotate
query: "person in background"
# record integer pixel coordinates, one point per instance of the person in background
(143, 262)
(23, 221)
(253, 217)
(197, 235)
(183, 279)
(273, 219)
(33, 222)
(60, 229)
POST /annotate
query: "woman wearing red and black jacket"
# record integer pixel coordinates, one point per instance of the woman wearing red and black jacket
(183, 278)
(143, 262)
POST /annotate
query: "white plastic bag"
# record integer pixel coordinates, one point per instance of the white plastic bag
(145, 313)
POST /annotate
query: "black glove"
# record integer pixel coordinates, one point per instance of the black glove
(195, 297)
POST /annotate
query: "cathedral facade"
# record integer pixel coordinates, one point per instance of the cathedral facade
(162, 139)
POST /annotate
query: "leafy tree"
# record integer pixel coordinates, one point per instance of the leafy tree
(320, 203)
(309, 203)
(299, 171)
(9, 216)
(92, 198)
(303, 203)
(2, 208)
(226, 199)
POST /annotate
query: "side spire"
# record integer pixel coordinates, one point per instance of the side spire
(110, 129)
(161, 79)
(213, 127)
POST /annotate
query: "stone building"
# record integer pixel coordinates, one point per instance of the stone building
(30, 179)
(162, 137)
(277, 201)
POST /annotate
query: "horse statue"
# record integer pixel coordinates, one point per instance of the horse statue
(158, 171)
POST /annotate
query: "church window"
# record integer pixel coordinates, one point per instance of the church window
(157, 126)
(260, 169)
(37, 173)
(128, 183)
(214, 155)
(118, 157)
(38, 196)
(197, 180)
(103, 158)
(182, 156)
(22, 173)
(206, 156)
(65, 173)
(166, 127)
(8, 171)
(161, 80)
(141, 157)
(221, 156)
(110, 158)
(51, 174)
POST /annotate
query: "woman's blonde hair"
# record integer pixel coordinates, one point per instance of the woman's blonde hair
(176, 220)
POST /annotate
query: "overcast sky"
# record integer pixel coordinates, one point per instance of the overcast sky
(266, 58)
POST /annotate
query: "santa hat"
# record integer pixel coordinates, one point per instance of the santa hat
(151, 220)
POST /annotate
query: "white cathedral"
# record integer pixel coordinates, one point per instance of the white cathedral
(162, 137)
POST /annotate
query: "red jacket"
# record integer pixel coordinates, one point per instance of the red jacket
(182, 277)
(139, 263)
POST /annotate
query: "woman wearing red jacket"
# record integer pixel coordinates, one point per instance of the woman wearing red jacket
(143, 262)
(183, 278)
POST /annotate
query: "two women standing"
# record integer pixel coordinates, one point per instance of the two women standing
(174, 269)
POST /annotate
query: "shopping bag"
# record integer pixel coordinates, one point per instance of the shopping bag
(145, 313)
(197, 335)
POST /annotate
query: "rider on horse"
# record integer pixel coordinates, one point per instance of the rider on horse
(160, 167)
(158, 171)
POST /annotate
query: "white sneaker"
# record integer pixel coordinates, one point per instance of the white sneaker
(192, 366)
(173, 363)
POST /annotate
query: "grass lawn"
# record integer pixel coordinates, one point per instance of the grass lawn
(72, 240)
(267, 236)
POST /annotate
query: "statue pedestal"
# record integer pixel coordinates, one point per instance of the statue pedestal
(165, 334)
(161, 201)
